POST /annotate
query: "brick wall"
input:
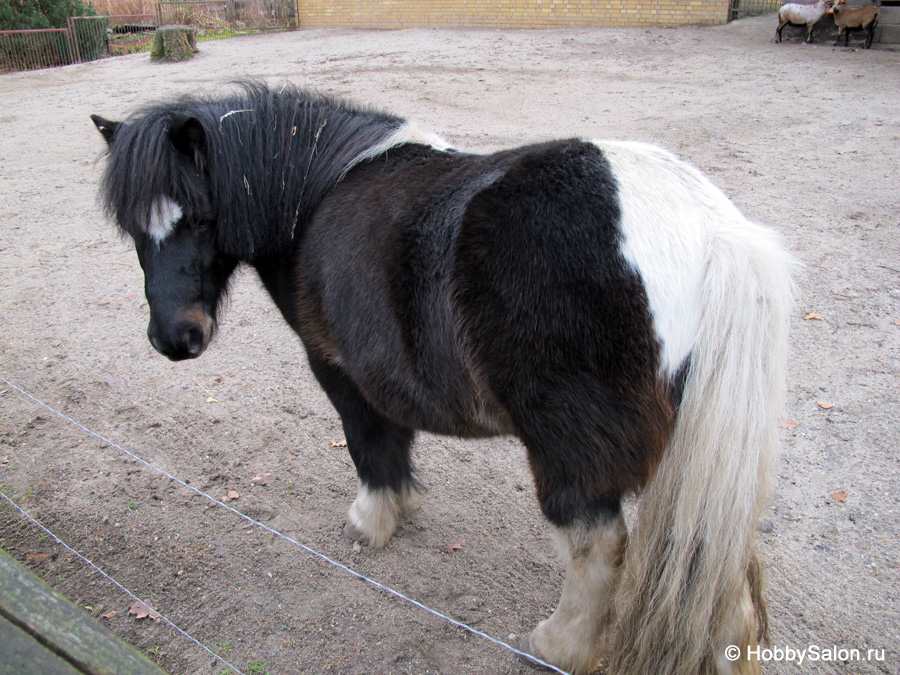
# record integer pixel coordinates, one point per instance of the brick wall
(506, 13)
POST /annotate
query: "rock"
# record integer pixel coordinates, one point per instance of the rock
(830, 532)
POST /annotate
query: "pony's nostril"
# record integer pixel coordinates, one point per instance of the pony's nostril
(193, 339)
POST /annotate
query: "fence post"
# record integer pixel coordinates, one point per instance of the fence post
(72, 38)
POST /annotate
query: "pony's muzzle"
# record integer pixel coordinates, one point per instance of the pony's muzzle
(184, 338)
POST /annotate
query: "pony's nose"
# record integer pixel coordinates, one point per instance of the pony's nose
(192, 338)
(187, 340)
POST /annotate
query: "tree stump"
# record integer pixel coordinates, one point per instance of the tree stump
(174, 43)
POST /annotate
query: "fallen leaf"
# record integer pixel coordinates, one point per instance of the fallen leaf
(232, 494)
(109, 615)
(264, 478)
(455, 546)
(812, 316)
(789, 424)
(825, 405)
(211, 400)
(37, 556)
(142, 611)
(338, 444)
(839, 496)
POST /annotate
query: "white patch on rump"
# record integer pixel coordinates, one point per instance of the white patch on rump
(164, 214)
(668, 210)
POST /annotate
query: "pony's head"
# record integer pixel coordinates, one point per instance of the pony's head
(156, 188)
(202, 183)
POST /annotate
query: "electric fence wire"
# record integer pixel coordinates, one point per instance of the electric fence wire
(459, 624)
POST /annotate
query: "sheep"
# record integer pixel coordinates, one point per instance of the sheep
(855, 18)
(798, 15)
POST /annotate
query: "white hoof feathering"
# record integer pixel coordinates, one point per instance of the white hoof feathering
(375, 514)
(573, 638)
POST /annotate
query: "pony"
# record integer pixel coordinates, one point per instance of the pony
(600, 300)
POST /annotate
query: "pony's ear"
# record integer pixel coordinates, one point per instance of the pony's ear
(189, 137)
(105, 127)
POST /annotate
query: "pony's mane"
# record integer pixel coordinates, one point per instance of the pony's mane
(271, 155)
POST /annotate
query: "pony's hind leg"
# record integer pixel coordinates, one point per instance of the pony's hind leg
(778, 30)
(743, 628)
(573, 637)
(380, 450)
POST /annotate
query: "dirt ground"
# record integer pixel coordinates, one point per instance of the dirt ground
(806, 138)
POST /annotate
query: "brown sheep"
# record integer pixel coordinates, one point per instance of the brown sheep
(855, 18)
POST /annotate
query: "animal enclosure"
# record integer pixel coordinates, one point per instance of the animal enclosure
(85, 38)
(477, 550)
(228, 17)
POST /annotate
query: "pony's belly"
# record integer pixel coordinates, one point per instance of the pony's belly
(457, 408)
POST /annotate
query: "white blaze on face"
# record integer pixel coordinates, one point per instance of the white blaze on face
(164, 214)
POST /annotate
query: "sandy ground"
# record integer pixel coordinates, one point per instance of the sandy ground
(804, 138)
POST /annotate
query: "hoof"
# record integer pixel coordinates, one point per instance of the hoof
(354, 534)
(527, 657)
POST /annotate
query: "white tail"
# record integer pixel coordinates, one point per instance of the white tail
(690, 570)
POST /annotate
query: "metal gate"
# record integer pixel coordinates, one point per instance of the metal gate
(85, 38)
(224, 18)
(739, 9)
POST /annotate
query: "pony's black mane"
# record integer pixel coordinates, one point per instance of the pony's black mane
(270, 156)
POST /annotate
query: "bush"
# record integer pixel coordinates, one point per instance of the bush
(25, 14)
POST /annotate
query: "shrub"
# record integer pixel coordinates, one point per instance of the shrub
(25, 14)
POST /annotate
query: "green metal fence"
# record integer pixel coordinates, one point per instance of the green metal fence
(31, 49)
(85, 38)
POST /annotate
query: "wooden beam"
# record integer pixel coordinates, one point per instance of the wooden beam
(42, 632)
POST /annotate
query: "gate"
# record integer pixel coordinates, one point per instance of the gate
(739, 9)
(223, 18)
(85, 38)
(31, 49)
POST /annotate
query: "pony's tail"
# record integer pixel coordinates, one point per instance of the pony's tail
(691, 583)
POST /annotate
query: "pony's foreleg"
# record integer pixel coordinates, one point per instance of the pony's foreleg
(375, 513)
(573, 637)
(380, 450)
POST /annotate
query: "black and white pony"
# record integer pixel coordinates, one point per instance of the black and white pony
(600, 300)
